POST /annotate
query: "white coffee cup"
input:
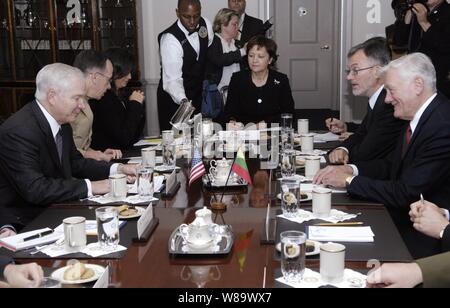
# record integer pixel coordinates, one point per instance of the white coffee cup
(307, 143)
(148, 157)
(119, 187)
(332, 262)
(168, 136)
(312, 166)
(75, 233)
(321, 202)
(303, 126)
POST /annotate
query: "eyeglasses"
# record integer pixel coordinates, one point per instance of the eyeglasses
(103, 75)
(355, 71)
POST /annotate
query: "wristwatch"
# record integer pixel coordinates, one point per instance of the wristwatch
(349, 180)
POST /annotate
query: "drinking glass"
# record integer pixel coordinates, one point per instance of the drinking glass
(293, 251)
(107, 228)
(286, 120)
(290, 197)
(287, 164)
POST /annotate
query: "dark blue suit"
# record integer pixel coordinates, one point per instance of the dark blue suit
(421, 168)
(4, 261)
(31, 173)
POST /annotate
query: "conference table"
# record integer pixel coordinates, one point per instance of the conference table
(253, 261)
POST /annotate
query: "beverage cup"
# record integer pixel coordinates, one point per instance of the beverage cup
(307, 143)
(119, 187)
(321, 202)
(75, 233)
(168, 136)
(286, 120)
(332, 262)
(107, 228)
(293, 251)
(303, 126)
(287, 162)
(148, 157)
(290, 197)
(312, 166)
(145, 182)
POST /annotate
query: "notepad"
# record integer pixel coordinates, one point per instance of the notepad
(16, 243)
(341, 234)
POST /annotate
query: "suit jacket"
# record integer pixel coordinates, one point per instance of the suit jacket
(422, 169)
(244, 97)
(31, 173)
(82, 129)
(118, 123)
(377, 135)
(4, 261)
(435, 271)
(445, 241)
(252, 26)
(217, 60)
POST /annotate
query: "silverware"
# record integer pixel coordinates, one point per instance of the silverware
(58, 243)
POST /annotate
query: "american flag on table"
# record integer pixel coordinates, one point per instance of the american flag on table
(197, 167)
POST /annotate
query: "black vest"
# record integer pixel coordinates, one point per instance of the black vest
(193, 69)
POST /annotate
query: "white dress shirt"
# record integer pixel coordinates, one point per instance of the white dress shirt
(55, 127)
(229, 70)
(241, 26)
(172, 54)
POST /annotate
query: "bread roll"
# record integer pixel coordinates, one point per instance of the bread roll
(78, 271)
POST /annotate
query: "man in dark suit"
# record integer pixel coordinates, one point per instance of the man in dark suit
(377, 135)
(433, 221)
(419, 164)
(39, 163)
(20, 276)
(248, 26)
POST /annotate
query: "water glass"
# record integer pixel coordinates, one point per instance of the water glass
(287, 162)
(293, 251)
(290, 197)
(286, 120)
(107, 228)
(287, 139)
(169, 155)
(168, 136)
(145, 182)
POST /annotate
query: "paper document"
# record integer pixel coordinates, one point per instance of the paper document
(341, 234)
(328, 137)
(16, 243)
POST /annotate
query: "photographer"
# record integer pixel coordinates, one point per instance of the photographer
(424, 26)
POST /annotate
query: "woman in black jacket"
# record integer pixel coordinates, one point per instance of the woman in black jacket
(261, 94)
(118, 116)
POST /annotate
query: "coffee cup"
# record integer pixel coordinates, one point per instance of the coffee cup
(119, 187)
(74, 233)
(332, 262)
(312, 166)
(303, 126)
(307, 143)
(321, 202)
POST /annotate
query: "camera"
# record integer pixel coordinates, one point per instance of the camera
(400, 7)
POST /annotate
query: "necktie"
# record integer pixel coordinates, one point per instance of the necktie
(59, 143)
(408, 134)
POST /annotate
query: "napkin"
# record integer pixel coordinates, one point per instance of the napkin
(328, 137)
(312, 279)
(335, 216)
(106, 199)
(341, 234)
(92, 250)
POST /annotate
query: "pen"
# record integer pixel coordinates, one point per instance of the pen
(340, 224)
(36, 236)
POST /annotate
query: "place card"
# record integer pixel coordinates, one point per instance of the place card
(171, 182)
(144, 221)
(103, 280)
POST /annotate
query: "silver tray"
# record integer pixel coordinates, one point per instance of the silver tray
(223, 245)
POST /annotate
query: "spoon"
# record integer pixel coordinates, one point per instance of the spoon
(58, 243)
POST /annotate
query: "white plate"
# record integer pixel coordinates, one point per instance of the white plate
(59, 274)
(301, 200)
(140, 211)
(316, 250)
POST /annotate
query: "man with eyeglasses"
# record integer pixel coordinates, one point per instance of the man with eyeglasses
(376, 136)
(98, 72)
(183, 52)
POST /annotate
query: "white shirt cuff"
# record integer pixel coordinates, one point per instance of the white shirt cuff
(342, 148)
(447, 214)
(113, 169)
(355, 170)
(89, 187)
(243, 52)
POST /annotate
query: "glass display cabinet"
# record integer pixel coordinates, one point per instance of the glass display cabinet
(34, 33)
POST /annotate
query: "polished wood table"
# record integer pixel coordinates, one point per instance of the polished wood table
(150, 265)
